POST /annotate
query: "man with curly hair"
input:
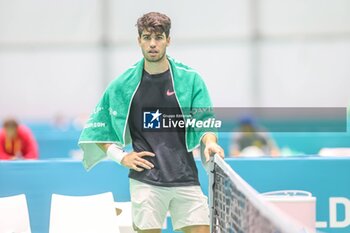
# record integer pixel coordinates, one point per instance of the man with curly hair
(163, 174)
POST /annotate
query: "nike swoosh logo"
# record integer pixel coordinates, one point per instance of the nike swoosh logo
(170, 93)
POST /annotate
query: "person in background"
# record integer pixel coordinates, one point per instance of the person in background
(17, 142)
(251, 140)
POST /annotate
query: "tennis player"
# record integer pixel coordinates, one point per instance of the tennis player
(163, 174)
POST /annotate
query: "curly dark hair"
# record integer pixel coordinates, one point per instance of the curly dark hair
(154, 22)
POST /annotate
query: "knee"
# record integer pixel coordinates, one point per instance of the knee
(196, 229)
(150, 231)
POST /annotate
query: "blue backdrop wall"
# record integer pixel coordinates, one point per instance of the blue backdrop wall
(326, 178)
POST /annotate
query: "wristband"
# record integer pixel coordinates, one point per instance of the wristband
(115, 153)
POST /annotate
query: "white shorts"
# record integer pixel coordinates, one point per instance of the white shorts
(188, 206)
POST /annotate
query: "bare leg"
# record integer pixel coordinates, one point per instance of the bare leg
(196, 229)
(150, 231)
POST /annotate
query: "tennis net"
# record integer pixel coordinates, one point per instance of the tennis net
(237, 208)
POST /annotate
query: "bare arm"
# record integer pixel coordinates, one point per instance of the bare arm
(211, 146)
(104, 146)
(133, 160)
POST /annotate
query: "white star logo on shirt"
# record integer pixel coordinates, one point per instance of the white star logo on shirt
(156, 115)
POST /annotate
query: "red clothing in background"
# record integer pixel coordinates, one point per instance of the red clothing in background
(23, 145)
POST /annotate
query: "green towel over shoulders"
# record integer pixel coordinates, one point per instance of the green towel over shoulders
(108, 121)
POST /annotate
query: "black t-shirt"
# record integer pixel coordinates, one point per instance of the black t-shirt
(173, 165)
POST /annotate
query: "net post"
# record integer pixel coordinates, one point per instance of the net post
(210, 191)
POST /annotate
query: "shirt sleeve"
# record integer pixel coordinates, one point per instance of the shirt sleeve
(30, 150)
(3, 154)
